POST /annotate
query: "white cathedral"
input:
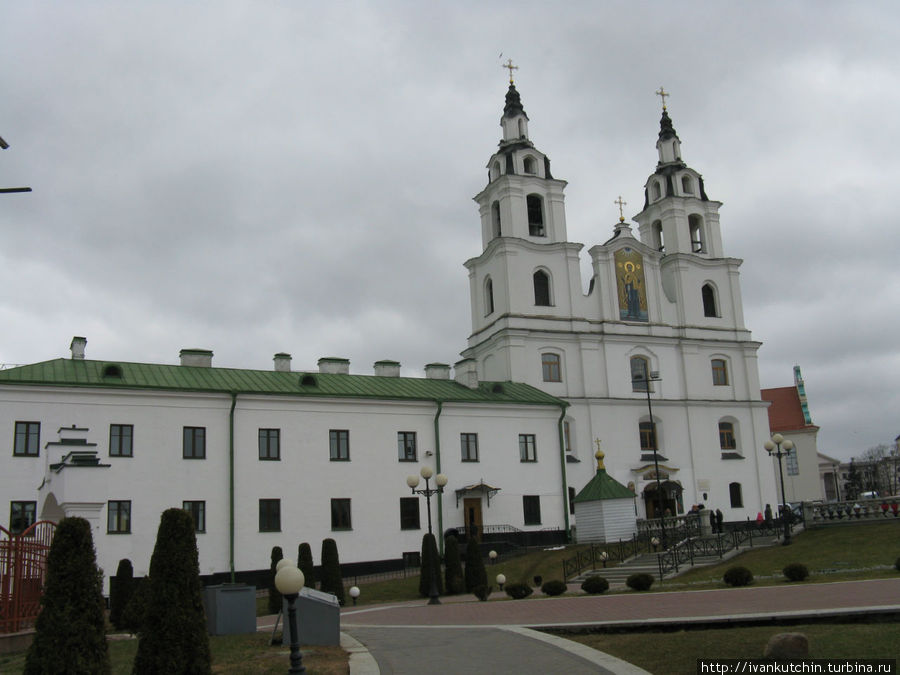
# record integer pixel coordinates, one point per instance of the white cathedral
(279, 457)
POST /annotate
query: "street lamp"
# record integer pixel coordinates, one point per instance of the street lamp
(440, 481)
(774, 447)
(646, 378)
(493, 556)
(501, 579)
(354, 593)
(289, 581)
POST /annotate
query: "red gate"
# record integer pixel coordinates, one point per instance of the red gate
(23, 566)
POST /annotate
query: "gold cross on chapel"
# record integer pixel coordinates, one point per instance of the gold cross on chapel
(511, 67)
(621, 203)
(662, 93)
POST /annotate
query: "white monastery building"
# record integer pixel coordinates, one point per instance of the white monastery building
(279, 457)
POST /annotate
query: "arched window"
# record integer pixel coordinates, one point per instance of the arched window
(737, 499)
(727, 441)
(687, 186)
(541, 289)
(535, 215)
(658, 240)
(529, 165)
(495, 171)
(550, 368)
(656, 190)
(719, 372)
(495, 219)
(695, 224)
(640, 373)
(521, 128)
(488, 297)
(567, 435)
(708, 294)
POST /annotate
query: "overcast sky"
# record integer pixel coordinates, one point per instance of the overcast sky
(298, 176)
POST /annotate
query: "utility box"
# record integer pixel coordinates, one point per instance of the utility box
(318, 618)
(230, 609)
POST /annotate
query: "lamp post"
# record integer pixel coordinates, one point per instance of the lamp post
(774, 447)
(440, 481)
(646, 378)
(289, 581)
(835, 468)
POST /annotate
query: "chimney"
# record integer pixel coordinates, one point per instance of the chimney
(437, 371)
(387, 368)
(77, 346)
(282, 362)
(467, 373)
(196, 357)
(334, 365)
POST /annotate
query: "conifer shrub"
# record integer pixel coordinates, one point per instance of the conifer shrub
(454, 582)
(738, 576)
(640, 581)
(554, 587)
(431, 567)
(595, 584)
(121, 587)
(331, 581)
(518, 590)
(305, 563)
(795, 572)
(476, 575)
(70, 631)
(483, 592)
(133, 614)
(274, 596)
(173, 637)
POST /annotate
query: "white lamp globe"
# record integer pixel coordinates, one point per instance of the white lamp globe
(769, 445)
(788, 444)
(289, 580)
(440, 480)
(492, 555)
(426, 472)
(412, 481)
(501, 579)
(284, 561)
(354, 592)
(777, 438)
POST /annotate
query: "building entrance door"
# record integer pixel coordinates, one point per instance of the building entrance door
(472, 507)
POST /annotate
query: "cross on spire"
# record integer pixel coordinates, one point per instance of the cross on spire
(662, 93)
(509, 65)
(621, 203)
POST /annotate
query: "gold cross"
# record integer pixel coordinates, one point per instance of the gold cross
(621, 203)
(662, 93)
(511, 67)
(597, 441)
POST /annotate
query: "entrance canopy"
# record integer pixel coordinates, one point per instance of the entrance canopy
(481, 488)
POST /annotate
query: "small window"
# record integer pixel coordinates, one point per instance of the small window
(791, 463)
(527, 448)
(695, 224)
(339, 445)
(198, 514)
(550, 367)
(708, 293)
(270, 515)
(409, 513)
(27, 440)
(737, 499)
(529, 165)
(541, 289)
(719, 372)
(118, 517)
(496, 228)
(535, 206)
(340, 514)
(648, 436)
(112, 370)
(656, 190)
(194, 446)
(572, 494)
(640, 373)
(531, 507)
(658, 238)
(567, 436)
(406, 446)
(22, 515)
(495, 171)
(121, 437)
(727, 440)
(469, 445)
(687, 186)
(488, 297)
(270, 444)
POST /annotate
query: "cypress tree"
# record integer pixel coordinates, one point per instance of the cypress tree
(172, 637)
(274, 596)
(121, 587)
(431, 565)
(476, 575)
(305, 563)
(453, 570)
(331, 581)
(70, 631)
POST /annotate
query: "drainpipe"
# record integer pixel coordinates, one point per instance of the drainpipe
(231, 485)
(437, 464)
(562, 468)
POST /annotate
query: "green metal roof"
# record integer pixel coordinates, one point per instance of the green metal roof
(603, 486)
(120, 375)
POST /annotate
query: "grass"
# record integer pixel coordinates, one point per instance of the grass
(677, 652)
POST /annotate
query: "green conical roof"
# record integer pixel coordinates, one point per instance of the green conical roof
(603, 486)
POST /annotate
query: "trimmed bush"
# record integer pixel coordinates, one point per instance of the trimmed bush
(795, 572)
(133, 614)
(897, 564)
(121, 587)
(173, 637)
(454, 582)
(305, 563)
(738, 576)
(431, 567)
(640, 581)
(70, 631)
(331, 581)
(275, 601)
(554, 587)
(518, 591)
(483, 592)
(476, 575)
(595, 584)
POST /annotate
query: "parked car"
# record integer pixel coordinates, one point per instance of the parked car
(869, 494)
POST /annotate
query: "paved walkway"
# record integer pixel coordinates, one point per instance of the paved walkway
(401, 638)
